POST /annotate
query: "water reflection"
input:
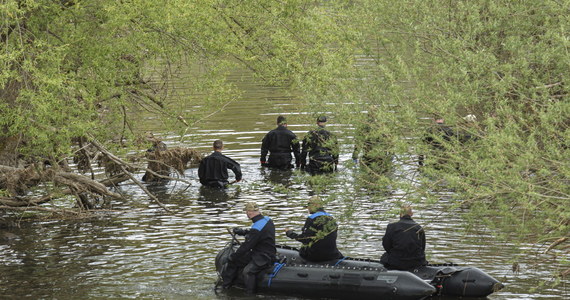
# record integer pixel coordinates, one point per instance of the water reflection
(277, 176)
(142, 252)
(215, 197)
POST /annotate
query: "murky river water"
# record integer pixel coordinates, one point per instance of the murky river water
(139, 251)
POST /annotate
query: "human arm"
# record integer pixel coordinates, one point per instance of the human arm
(359, 136)
(235, 167)
(240, 231)
(306, 235)
(202, 171)
(387, 239)
(305, 149)
(422, 236)
(355, 153)
(251, 240)
(264, 149)
(296, 147)
(335, 149)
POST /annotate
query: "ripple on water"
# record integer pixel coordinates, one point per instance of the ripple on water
(142, 252)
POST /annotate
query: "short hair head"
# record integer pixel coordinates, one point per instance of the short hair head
(322, 119)
(251, 206)
(281, 120)
(315, 203)
(406, 210)
(218, 144)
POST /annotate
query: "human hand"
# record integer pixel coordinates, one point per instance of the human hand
(239, 231)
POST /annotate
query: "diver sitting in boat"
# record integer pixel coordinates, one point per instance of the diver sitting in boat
(318, 235)
(404, 242)
(254, 255)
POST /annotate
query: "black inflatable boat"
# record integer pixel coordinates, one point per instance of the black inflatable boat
(447, 279)
(364, 279)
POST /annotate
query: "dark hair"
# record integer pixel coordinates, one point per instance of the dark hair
(281, 120)
(218, 144)
(322, 119)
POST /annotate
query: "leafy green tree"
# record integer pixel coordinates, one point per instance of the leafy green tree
(73, 72)
(504, 62)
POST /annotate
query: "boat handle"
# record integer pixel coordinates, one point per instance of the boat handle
(368, 277)
(334, 276)
(302, 275)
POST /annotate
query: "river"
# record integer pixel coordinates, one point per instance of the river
(139, 251)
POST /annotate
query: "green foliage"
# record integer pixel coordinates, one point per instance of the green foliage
(505, 62)
(73, 67)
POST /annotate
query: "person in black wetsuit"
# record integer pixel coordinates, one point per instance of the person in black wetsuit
(318, 234)
(255, 254)
(468, 130)
(404, 243)
(322, 148)
(213, 170)
(436, 137)
(372, 141)
(153, 154)
(280, 142)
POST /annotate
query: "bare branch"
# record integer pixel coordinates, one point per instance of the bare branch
(123, 166)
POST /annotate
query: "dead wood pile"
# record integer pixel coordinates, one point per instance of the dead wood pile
(162, 161)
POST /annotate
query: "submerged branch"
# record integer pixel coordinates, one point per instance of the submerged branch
(81, 183)
(123, 165)
(37, 208)
(555, 243)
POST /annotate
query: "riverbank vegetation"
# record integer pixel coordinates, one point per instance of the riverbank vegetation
(502, 62)
(74, 72)
(75, 75)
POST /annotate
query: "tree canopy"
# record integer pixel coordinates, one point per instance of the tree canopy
(503, 62)
(73, 68)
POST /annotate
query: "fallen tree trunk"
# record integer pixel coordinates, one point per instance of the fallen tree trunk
(88, 192)
(124, 167)
(82, 183)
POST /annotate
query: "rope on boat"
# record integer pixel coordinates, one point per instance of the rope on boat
(340, 260)
(276, 269)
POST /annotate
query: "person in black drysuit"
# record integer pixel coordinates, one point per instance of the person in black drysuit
(155, 150)
(436, 137)
(404, 243)
(213, 170)
(374, 145)
(280, 142)
(322, 148)
(318, 234)
(255, 254)
(468, 131)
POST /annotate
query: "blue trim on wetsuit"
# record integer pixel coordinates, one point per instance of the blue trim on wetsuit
(260, 223)
(318, 214)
